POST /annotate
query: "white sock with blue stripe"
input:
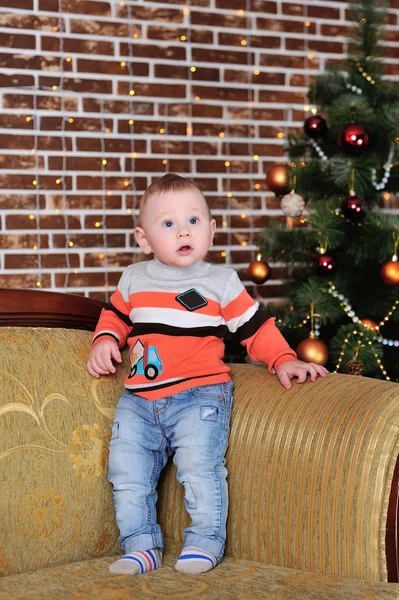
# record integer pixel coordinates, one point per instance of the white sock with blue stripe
(195, 560)
(137, 562)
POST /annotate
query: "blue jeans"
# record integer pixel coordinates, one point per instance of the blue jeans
(194, 425)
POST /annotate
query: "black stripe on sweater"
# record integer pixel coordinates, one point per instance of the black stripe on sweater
(122, 317)
(144, 328)
(251, 327)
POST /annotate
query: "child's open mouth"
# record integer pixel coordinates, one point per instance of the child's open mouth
(185, 250)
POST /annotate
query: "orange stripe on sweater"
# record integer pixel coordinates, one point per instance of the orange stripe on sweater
(119, 303)
(168, 300)
(238, 306)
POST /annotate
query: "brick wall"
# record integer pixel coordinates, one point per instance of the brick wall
(101, 97)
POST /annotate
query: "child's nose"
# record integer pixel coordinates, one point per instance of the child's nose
(184, 231)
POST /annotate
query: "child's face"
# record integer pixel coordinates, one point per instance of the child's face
(176, 227)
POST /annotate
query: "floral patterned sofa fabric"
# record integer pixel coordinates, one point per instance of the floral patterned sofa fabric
(310, 475)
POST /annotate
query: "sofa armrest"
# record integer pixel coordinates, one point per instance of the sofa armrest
(311, 473)
(39, 308)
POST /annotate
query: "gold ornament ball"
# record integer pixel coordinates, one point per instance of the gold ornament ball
(313, 350)
(277, 179)
(390, 272)
(369, 323)
(259, 271)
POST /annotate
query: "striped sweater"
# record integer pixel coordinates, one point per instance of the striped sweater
(174, 321)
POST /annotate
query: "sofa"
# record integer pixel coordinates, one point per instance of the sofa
(313, 477)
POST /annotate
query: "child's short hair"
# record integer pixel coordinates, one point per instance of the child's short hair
(170, 182)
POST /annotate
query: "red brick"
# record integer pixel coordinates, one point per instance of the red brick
(284, 62)
(335, 30)
(89, 240)
(77, 46)
(195, 36)
(255, 5)
(255, 41)
(80, 85)
(46, 222)
(78, 202)
(152, 127)
(111, 259)
(21, 201)
(279, 96)
(85, 279)
(219, 20)
(24, 162)
(150, 51)
(83, 7)
(160, 90)
(48, 261)
(170, 147)
(36, 62)
(284, 25)
(24, 4)
(180, 72)
(17, 40)
(110, 145)
(109, 222)
(222, 56)
(263, 78)
(27, 21)
(129, 107)
(220, 93)
(326, 47)
(110, 67)
(107, 29)
(24, 281)
(83, 163)
(14, 241)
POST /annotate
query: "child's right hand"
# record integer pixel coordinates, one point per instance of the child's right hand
(100, 358)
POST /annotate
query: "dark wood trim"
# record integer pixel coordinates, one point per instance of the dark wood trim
(40, 308)
(392, 534)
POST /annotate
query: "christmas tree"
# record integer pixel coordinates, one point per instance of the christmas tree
(339, 245)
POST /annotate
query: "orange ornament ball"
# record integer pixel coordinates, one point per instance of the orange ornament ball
(313, 350)
(390, 272)
(259, 271)
(369, 323)
(277, 180)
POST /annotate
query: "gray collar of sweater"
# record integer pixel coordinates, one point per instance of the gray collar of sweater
(160, 270)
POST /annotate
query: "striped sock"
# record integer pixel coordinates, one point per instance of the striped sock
(138, 562)
(195, 560)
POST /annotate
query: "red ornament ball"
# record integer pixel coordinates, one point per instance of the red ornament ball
(389, 272)
(325, 265)
(315, 126)
(277, 179)
(259, 271)
(353, 139)
(313, 350)
(354, 208)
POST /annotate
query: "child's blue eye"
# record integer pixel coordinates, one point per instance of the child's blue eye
(168, 224)
(193, 221)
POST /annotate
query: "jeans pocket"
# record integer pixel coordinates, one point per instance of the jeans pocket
(209, 413)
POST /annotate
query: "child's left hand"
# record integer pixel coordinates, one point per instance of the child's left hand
(299, 369)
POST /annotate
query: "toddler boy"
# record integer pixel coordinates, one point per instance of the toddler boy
(173, 312)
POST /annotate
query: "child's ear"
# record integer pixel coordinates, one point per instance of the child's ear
(213, 230)
(142, 240)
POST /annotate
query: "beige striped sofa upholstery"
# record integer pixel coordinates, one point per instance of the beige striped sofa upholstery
(312, 477)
